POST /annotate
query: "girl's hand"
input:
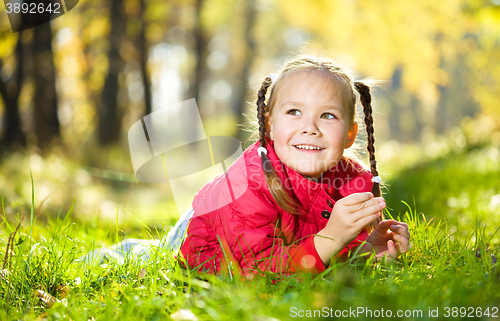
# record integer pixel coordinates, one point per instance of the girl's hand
(389, 240)
(349, 216)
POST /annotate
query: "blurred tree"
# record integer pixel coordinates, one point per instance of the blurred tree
(200, 47)
(92, 34)
(418, 124)
(143, 58)
(46, 122)
(200, 72)
(109, 114)
(10, 90)
(444, 48)
(242, 76)
(436, 81)
(396, 105)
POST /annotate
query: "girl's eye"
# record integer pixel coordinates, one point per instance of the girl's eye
(293, 112)
(328, 116)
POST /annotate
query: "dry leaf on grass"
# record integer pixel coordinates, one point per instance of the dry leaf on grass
(63, 291)
(46, 298)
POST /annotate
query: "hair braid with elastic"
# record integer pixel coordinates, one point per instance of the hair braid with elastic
(274, 183)
(261, 110)
(366, 99)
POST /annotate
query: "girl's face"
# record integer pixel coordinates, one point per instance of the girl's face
(309, 125)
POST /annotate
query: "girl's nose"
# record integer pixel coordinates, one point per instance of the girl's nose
(310, 128)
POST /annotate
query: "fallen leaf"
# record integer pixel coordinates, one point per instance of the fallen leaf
(46, 298)
(63, 291)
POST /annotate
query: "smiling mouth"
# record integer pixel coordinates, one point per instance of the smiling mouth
(307, 147)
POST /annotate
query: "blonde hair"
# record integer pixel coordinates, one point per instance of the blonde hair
(346, 86)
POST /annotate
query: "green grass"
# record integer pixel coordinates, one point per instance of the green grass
(460, 188)
(443, 270)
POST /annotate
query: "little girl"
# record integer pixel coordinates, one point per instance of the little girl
(301, 202)
(305, 202)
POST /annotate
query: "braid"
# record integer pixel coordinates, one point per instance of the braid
(261, 110)
(366, 99)
(275, 185)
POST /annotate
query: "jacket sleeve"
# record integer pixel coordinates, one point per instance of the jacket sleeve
(247, 233)
(257, 243)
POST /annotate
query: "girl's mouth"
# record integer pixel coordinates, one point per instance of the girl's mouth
(308, 147)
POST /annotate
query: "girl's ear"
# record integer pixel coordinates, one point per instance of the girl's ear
(351, 135)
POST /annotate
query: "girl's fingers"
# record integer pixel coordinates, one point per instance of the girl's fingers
(371, 202)
(368, 219)
(391, 253)
(385, 225)
(402, 242)
(399, 249)
(392, 250)
(401, 230)
(375, 208)
(404, 224)
(401, 224)
(356, 198)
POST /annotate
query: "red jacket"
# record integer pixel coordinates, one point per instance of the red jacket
(238, 225)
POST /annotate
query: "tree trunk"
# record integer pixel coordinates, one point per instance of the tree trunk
(394, 117)
(143, 52)
(109, 115)
(45, 96)
(238, 100)
(441, 114)
(12, 134)
(199, 74)
(200, 46)
(419, 124)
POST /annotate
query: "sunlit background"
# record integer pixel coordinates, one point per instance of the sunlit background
(65, 111)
